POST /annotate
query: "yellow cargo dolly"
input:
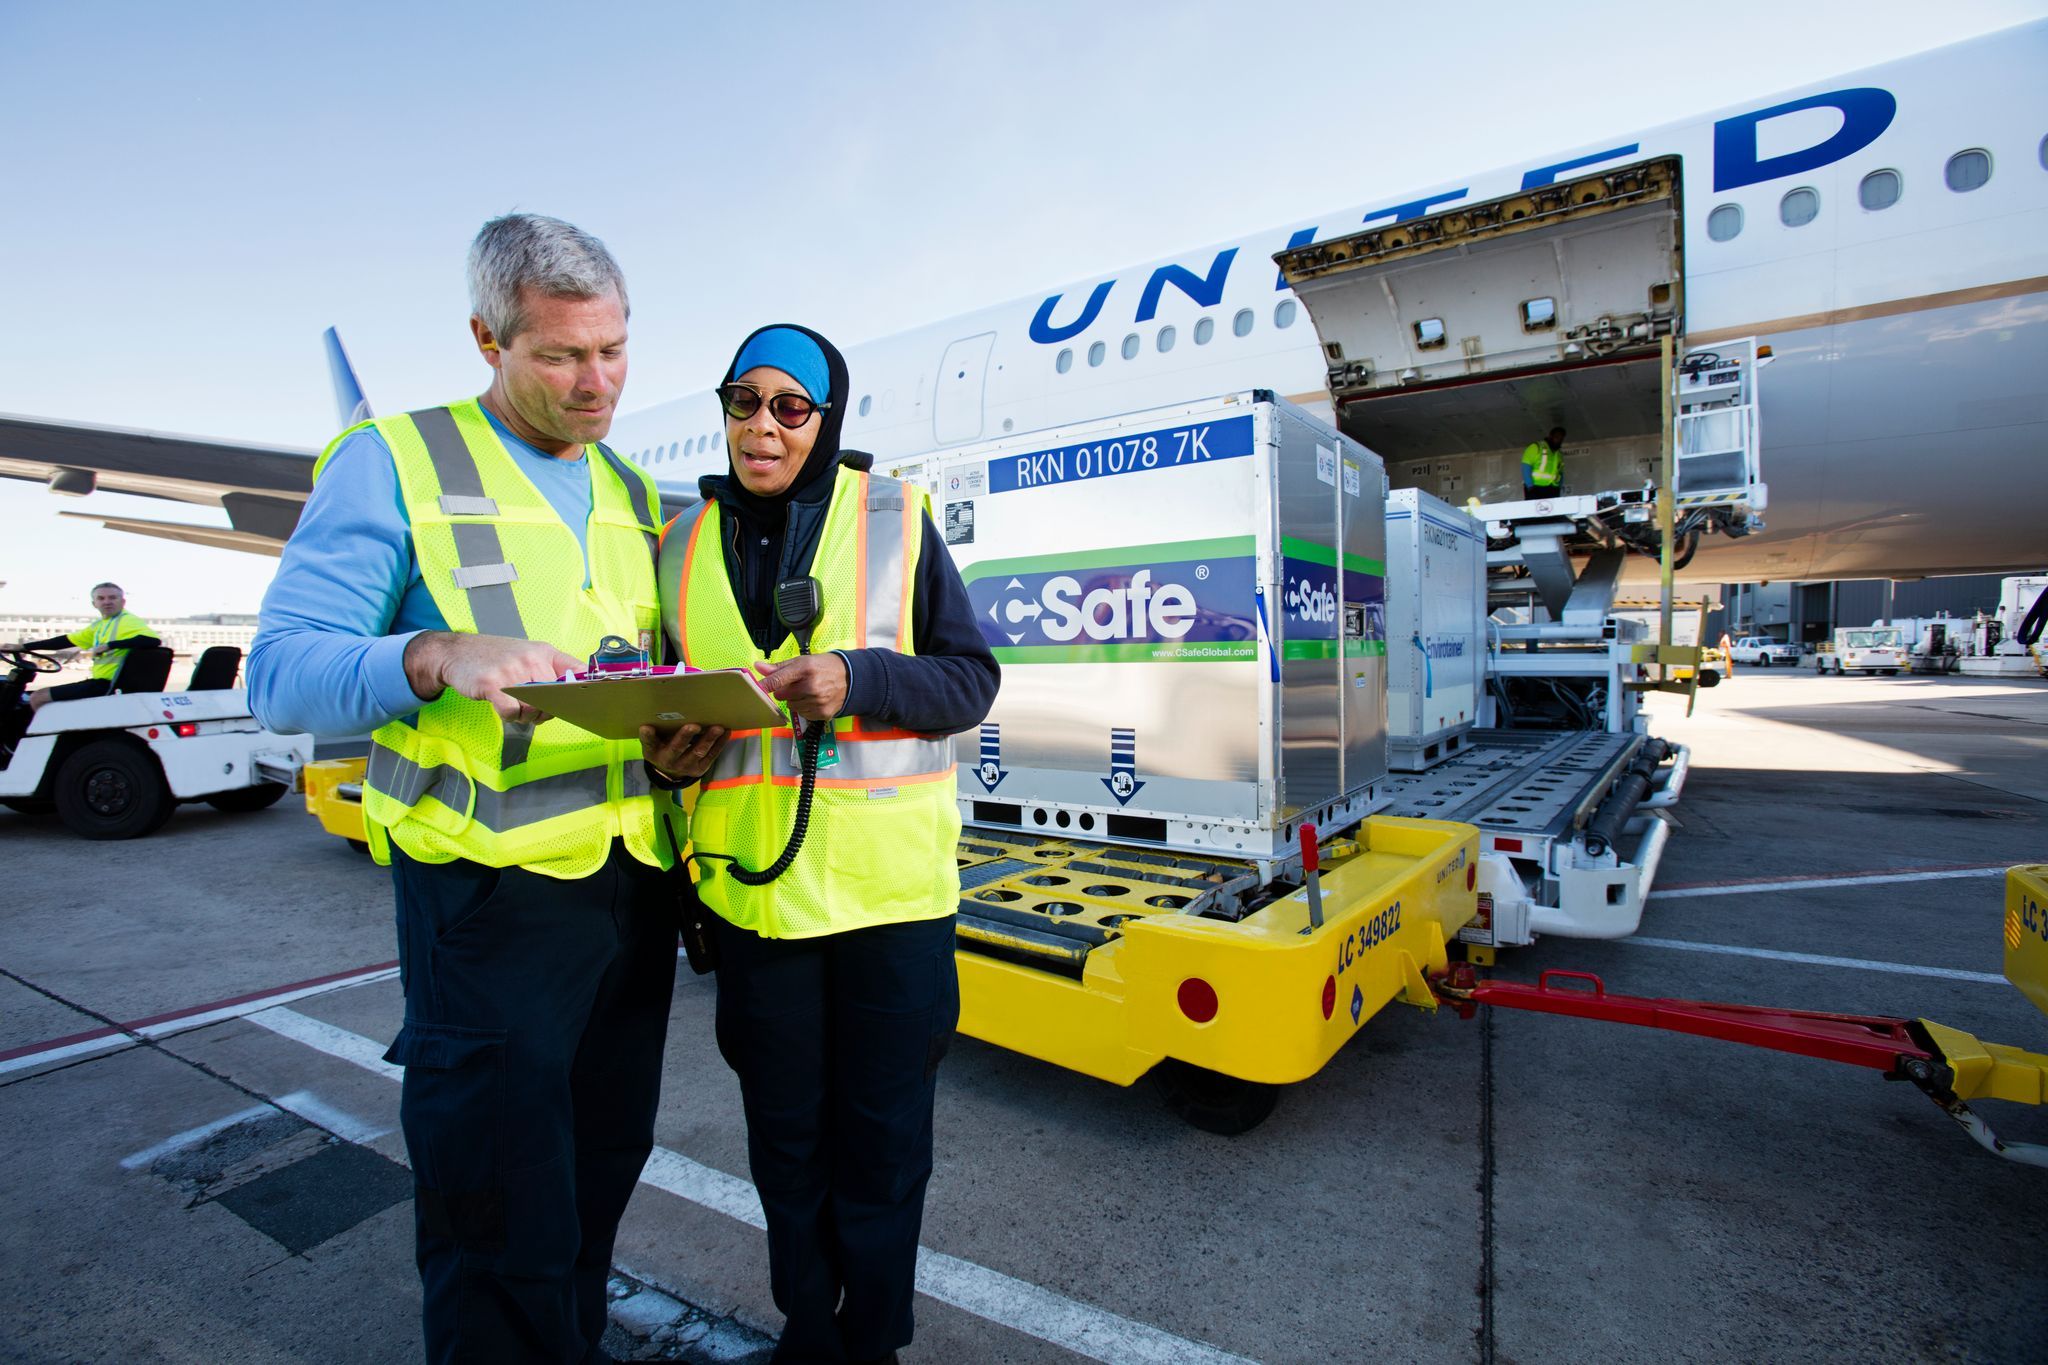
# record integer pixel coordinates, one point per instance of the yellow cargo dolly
(334, 796)
(1105, 959)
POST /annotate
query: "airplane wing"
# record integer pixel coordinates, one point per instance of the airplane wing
(261, 488)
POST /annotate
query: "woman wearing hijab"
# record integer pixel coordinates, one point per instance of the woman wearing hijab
(826, 854)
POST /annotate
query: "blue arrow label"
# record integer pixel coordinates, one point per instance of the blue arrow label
(990, 770)
(1123, 780)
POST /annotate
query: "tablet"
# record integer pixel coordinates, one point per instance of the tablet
(616, 708)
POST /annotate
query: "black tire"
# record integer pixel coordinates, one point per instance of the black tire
(1763, 661)
(361, 846)
(29, 805)
(112, 790)
(262, 796)
(1211, 1101)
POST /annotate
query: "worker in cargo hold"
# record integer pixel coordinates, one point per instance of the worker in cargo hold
(446, 555)
(825, 852)
(108, 640)
(1543, 466)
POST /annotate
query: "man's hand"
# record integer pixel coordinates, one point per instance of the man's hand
(481, 667)
(814, 685)
(684, 753)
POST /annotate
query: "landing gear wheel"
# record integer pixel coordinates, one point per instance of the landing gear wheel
(258, 797)
(112, 790)
(1211, 1101)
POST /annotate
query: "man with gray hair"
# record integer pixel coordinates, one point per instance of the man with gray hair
(444, 556)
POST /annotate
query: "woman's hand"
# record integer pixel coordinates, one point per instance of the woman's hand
(683, 754)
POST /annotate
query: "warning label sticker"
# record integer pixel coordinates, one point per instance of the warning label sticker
(960, 523)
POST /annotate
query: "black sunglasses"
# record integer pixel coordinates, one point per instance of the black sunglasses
(792, 410)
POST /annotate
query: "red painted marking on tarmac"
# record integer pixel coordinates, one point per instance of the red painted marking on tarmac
(1832, 876)
(135, 1025)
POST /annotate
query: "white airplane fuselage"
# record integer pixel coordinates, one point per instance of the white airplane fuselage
(1904, 420)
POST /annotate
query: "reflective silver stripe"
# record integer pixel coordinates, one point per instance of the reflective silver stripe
(483, 575)
(517, 741)
(739, 758)
(477, 548)
(872, 758)
(636, 489)
(885, 561)
(408, 783)
(454, 506)
(668, 569)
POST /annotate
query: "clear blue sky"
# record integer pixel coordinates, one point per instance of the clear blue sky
(196, 190)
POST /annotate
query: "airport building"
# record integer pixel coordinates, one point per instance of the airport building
(1807, 613)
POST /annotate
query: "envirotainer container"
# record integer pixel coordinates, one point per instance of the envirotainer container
(1189, 606)
(1436, 627)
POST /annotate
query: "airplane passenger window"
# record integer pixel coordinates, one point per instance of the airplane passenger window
(867, 404)
(1241, 325)
(1096, 352)
(675, 448)
(1725, 222)
(1065, 361)
(1283, 313)
(1131, 346)
(1166, 338)
(1204, 329)
(1969, 170)
(1879, 190)
(1799, 207)
(1429, 334)
(1539, 315)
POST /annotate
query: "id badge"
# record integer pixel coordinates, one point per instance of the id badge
(828, 747)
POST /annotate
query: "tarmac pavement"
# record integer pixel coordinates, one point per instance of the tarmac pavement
(227, 1183)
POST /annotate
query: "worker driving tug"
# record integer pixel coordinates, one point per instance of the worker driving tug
(824, 852)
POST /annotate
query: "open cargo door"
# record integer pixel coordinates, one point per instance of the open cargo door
(1454, 341)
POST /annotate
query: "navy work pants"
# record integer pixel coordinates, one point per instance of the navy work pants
(837, 1041)
(535, 1014)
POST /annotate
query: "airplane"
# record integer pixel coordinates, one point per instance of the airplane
(1886, 233)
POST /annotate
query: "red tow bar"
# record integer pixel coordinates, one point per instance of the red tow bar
(1874, 1041)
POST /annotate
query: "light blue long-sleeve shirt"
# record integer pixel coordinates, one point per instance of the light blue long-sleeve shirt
(329, 654)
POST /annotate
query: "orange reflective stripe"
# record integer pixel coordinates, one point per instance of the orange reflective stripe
(860, 560)
(870, 783)
(913, 533)
(689, 563)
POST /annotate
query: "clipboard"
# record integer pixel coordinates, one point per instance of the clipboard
(616, 708)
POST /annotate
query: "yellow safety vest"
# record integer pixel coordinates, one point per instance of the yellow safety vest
(1547, 462)
(124, 625)
(885, 817)
(455, 780)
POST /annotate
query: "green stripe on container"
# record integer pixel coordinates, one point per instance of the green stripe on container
(1310, 552)
(1327, 649)
(1223, 547)
(1173, 651)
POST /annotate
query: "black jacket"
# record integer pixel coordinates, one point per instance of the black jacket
(947, 686)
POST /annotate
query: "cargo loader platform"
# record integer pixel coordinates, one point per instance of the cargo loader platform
(1567, 844)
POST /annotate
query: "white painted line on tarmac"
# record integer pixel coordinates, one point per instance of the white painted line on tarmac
(66, 1051)
(183, 1021)
(1814, 883)
(191, 1136)
(322, 1036)
(1861, 964)
(339, 1122)
(1084, 1329)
